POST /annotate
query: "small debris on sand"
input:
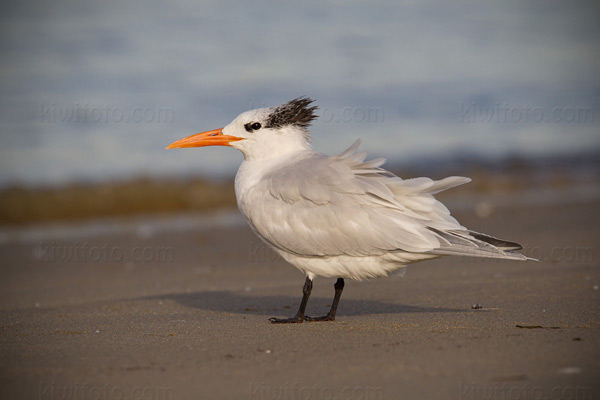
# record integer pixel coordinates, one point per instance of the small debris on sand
(536, 327)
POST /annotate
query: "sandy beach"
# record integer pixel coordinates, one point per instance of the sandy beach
(178, 308)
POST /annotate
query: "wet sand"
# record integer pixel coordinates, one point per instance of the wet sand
(183, 314)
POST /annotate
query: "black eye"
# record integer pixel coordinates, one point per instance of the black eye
(254, 126)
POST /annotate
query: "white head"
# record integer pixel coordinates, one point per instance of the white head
(263, 133)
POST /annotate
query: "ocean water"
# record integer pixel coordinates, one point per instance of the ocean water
(95, 90)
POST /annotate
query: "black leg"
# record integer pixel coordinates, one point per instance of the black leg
(300, 314)
(339, 286)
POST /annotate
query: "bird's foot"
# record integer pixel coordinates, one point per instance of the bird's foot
(327, 317)
(294, 320)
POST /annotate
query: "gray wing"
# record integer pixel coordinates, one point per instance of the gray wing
(343, 205)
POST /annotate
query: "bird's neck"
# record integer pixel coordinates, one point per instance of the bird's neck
(272, 151)
(254, 169)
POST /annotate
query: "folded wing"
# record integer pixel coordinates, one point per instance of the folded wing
(343, 205)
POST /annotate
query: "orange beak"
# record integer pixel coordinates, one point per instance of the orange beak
(210, 138)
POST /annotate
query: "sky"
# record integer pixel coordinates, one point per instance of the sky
(94, 91)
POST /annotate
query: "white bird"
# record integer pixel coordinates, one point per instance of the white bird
(337, 216)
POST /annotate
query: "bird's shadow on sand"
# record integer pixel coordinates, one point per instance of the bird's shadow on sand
(232, 302)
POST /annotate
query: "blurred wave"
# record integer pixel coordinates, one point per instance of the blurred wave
(94, 91)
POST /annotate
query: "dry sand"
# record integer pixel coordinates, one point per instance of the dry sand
(192, 323)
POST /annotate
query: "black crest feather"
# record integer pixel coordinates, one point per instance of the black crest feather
(295, 112)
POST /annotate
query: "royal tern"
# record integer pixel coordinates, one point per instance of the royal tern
(337, 216)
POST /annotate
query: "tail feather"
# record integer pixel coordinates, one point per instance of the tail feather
(499, 243)
(475, 244)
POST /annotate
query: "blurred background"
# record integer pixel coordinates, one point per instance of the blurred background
(127, 266)
(92, 92)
